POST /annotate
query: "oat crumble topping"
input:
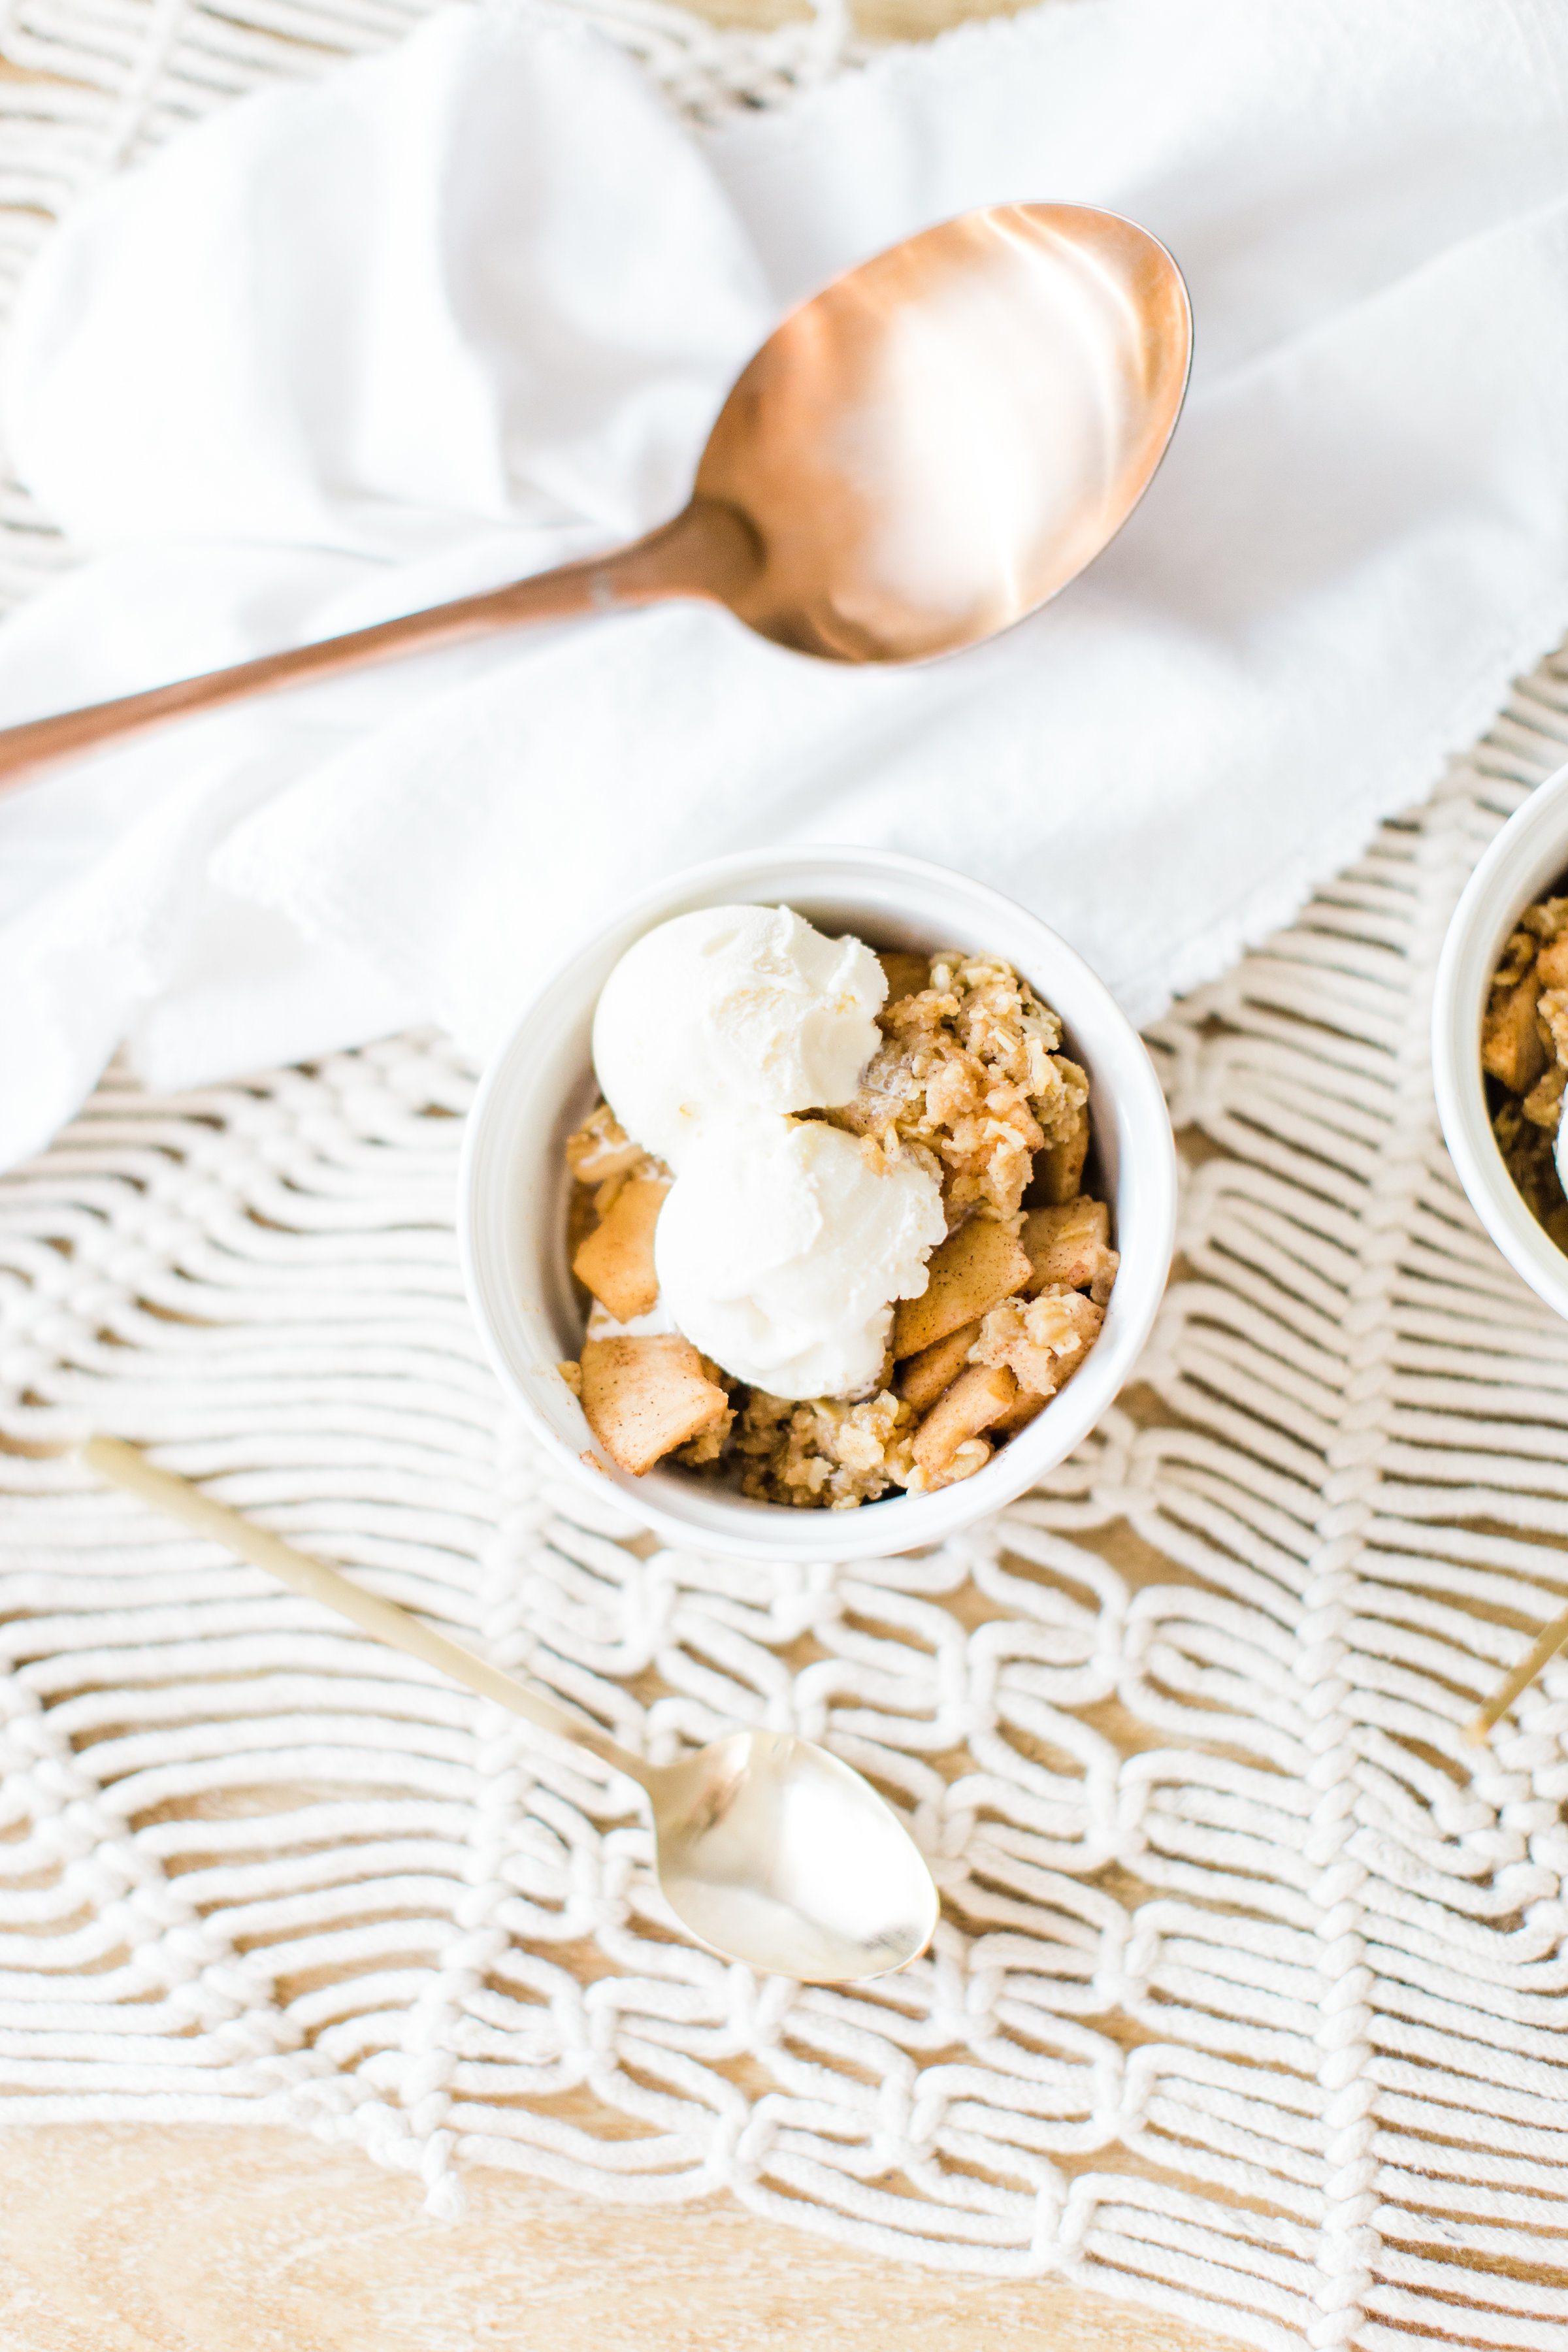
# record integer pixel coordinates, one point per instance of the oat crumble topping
(823, 1452)
(1041, 1340)
(969, 1072)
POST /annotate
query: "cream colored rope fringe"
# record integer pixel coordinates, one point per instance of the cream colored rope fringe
(1248, 2003)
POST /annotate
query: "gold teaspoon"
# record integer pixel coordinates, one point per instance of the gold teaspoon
(769, 1851)
(933, 446)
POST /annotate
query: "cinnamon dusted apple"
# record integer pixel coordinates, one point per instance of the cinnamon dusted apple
(921, 1378)
(1069, 1248)
(948, 1446)
(981, 1264)
(615, 1261)
(905, 973)
(644, 1396)
(1059, 1163)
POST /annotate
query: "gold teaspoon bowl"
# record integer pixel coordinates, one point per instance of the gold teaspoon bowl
(919, 455)
(772, 1851)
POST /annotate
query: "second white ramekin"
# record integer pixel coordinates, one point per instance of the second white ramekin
(1527, 857)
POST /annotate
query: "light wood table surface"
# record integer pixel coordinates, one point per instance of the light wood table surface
(187, 2238)
(136, 2240)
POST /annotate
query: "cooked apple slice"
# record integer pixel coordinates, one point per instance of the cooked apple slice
(924, 1377)
(976, 1399)
(616, 1260)
(1019, 1413)
(1512, 1048)
(975, 1268)
(1059, 1166)
(644, 1397)
(1070, 1245)
(906, 973)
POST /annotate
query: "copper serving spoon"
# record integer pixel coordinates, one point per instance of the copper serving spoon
(917, 457)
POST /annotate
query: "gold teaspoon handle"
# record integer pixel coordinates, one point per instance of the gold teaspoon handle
(1542, 1651)
(177, 1498)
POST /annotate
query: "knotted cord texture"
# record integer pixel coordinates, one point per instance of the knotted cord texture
(1247, 2002)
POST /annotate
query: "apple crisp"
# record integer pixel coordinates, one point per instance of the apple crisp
(969, 1072)
(970, 1079)
(1525, 1054)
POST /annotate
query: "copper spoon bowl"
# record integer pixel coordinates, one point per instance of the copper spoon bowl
(923, 452)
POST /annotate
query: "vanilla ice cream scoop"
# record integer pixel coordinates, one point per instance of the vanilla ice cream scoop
(780, 1250)
(729, 1014)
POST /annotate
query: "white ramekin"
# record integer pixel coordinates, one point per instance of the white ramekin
(1525, 859)
(513, 1190)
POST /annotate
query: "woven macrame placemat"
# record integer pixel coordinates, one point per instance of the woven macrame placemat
(1248, 2001)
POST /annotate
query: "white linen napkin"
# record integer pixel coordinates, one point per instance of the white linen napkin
(467, 309)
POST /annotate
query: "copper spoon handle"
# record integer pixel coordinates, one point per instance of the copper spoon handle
(703, 550)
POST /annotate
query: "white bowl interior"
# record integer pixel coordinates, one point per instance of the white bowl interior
(515, 1186)
(1527, 857)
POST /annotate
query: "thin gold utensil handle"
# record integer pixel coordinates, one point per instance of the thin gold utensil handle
(1541, 1650)
(124, 1466)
